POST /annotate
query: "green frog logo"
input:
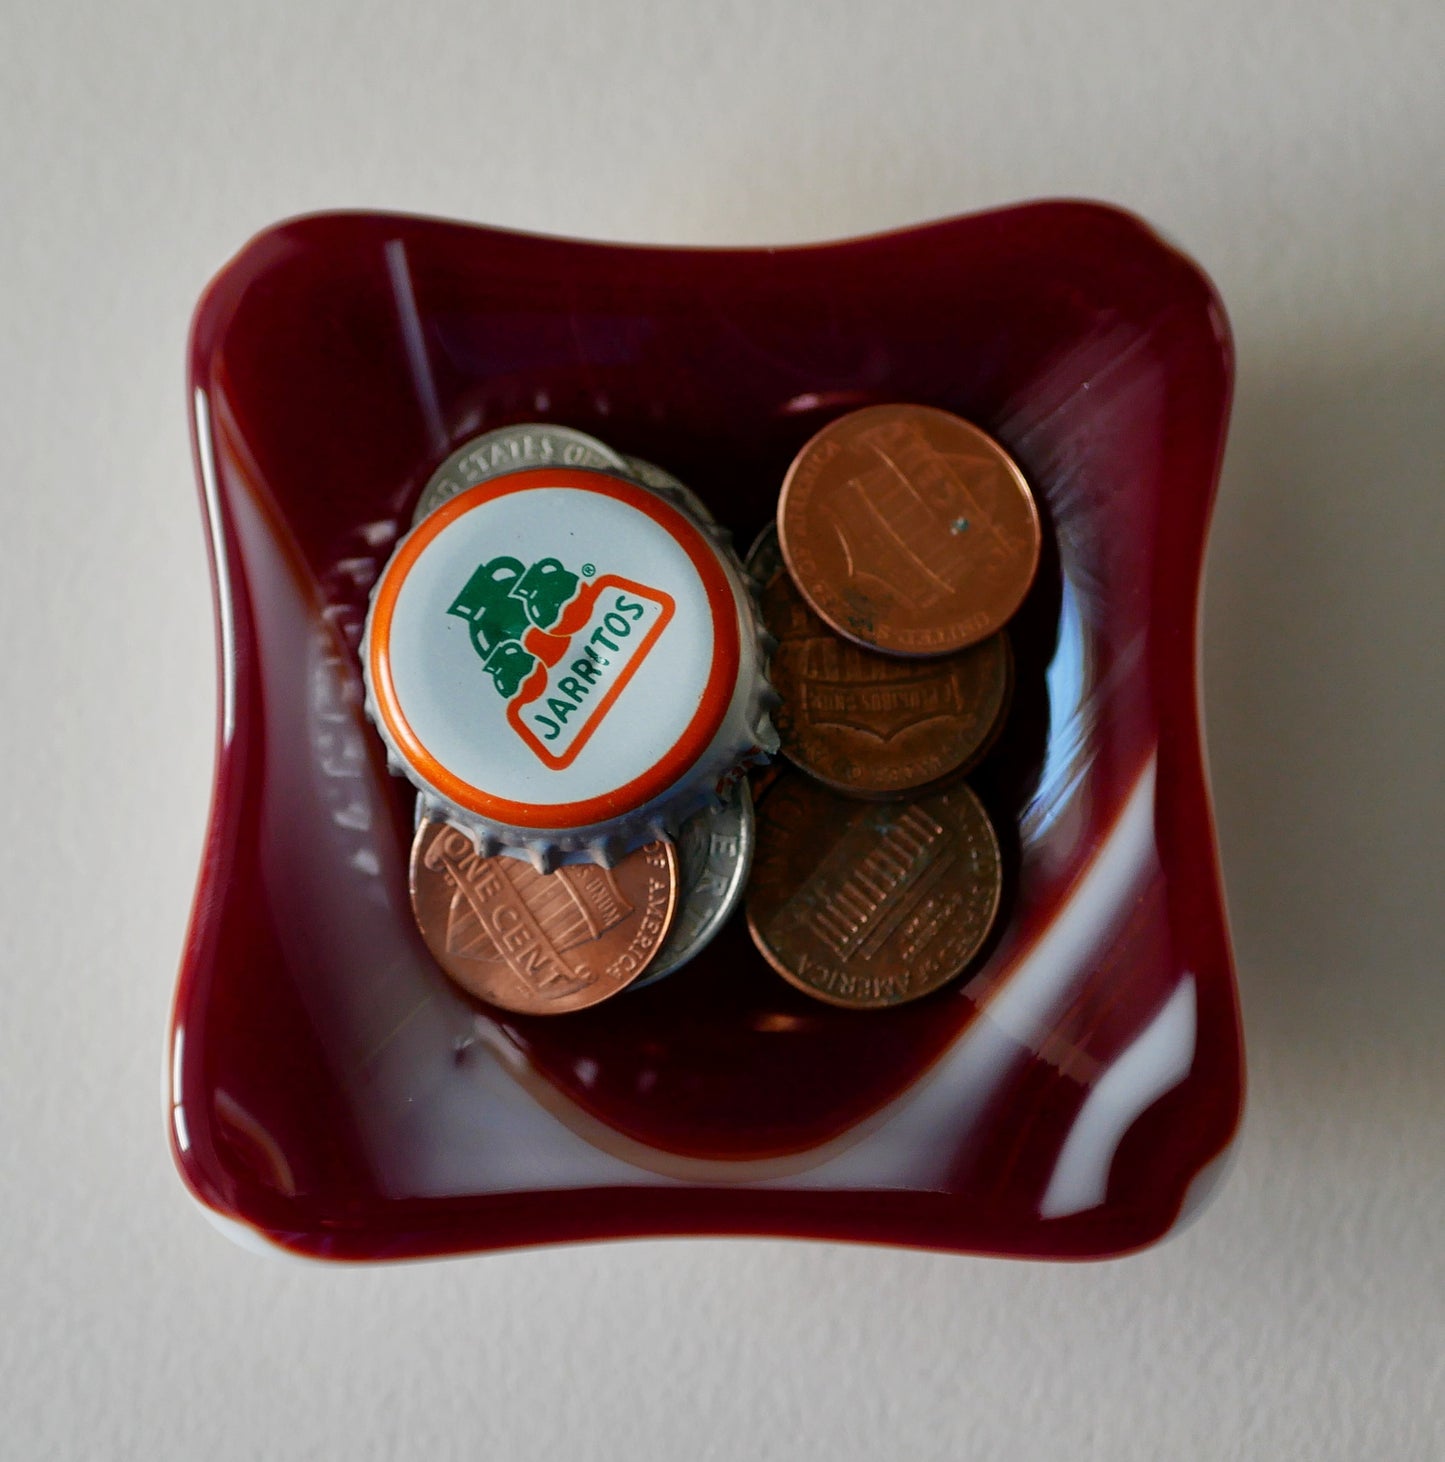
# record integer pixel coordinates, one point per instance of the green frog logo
(504, 599)
(559, 650)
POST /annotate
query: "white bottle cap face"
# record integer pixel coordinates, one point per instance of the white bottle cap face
(553, 648)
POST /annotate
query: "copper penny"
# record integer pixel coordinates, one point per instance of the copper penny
(539, 943)
(868, 904)
(875, 725)
(909, 530)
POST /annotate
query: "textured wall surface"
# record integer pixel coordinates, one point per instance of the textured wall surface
(1295, 149)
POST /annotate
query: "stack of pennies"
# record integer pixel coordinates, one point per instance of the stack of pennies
(905, 540)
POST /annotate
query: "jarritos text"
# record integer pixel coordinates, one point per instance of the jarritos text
(560, 647)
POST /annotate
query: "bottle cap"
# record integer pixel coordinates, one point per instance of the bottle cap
(566, 665)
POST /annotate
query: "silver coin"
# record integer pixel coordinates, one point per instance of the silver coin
(714, 852)
(764, 558)
(510, 449)
(650, 475)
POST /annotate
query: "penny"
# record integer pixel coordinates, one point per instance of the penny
(909, 530)
(875, 725)
(511, 449)
(539, 943)
(871, 904)
(714, 852)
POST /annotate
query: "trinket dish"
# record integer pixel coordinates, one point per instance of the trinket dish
(335, 1094)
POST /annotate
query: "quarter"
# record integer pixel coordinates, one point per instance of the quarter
(714, 853)
(510, 449)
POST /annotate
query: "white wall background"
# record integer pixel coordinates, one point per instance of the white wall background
(1297, 148)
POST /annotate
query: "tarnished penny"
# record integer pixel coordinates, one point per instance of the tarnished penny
(868, 904)
(539, 943)
(909, 530)
(875, 725)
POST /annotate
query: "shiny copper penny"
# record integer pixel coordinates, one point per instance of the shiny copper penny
(875, 725)
(868, 904)
(909, 530)
(539, 943)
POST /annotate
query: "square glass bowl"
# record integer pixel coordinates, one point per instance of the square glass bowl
(334, 1094)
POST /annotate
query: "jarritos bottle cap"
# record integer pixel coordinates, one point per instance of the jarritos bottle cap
(564, 663)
